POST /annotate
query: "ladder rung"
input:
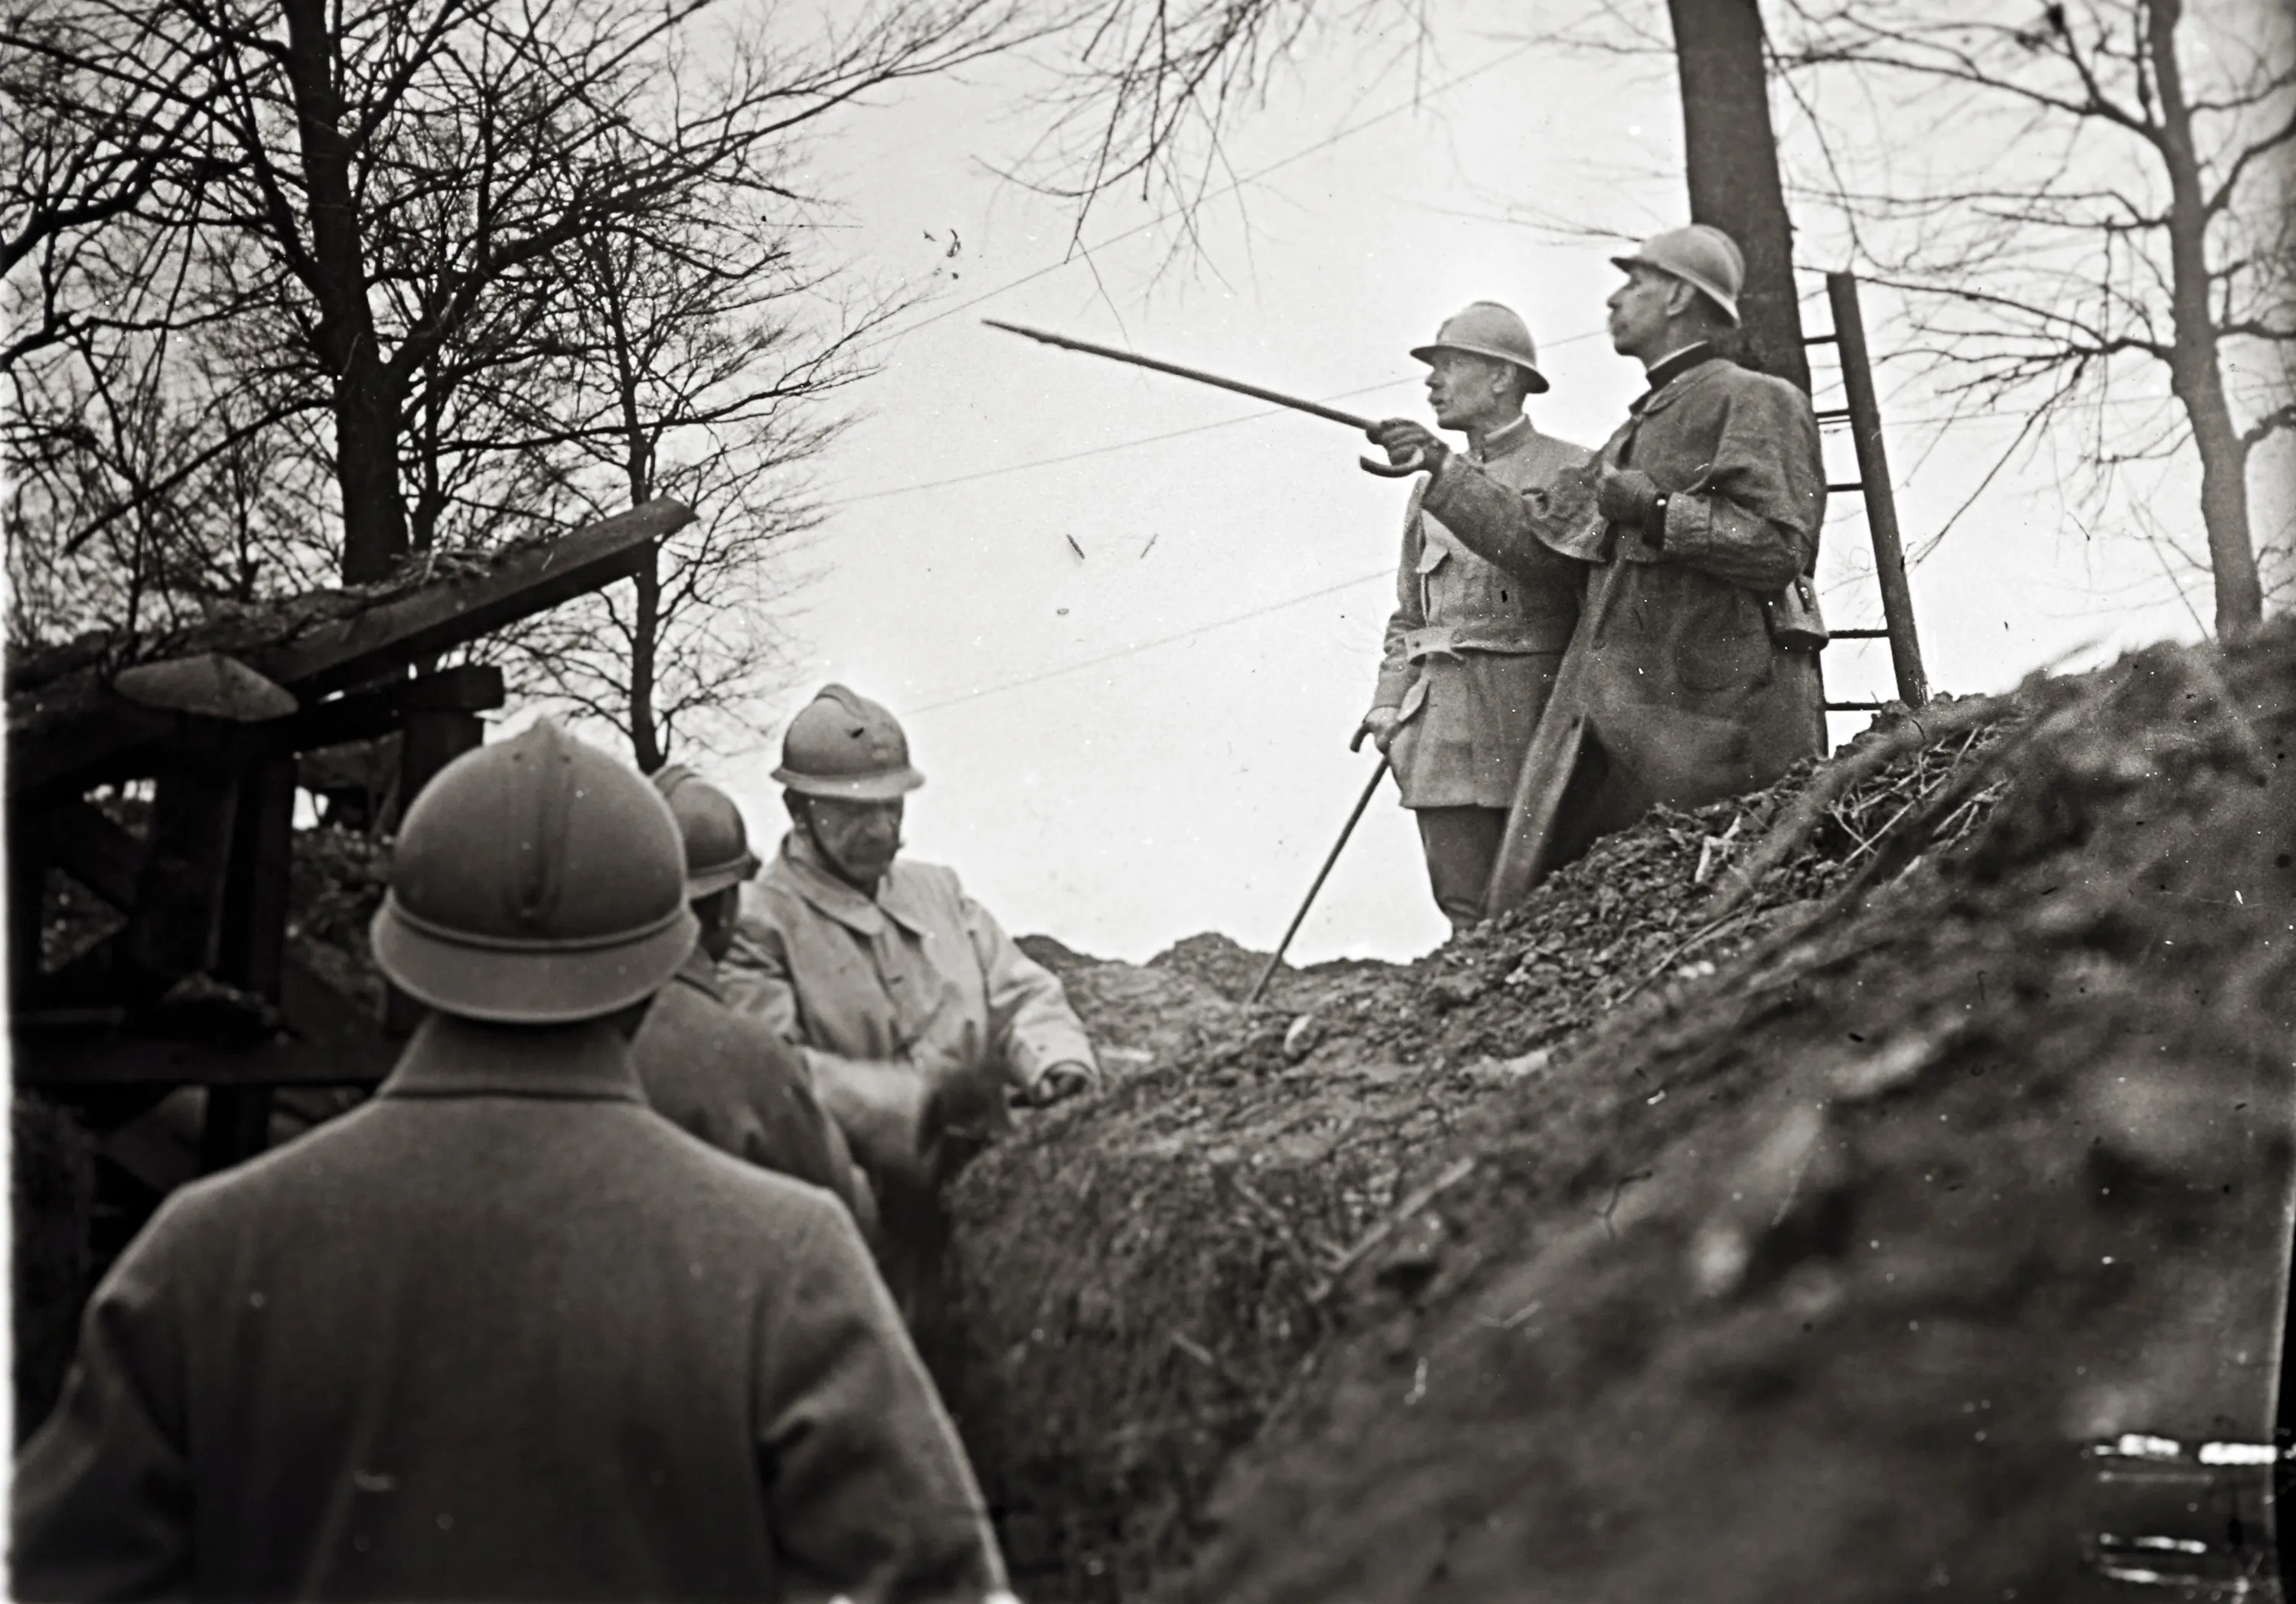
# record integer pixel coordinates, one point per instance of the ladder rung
(1859, 635)
(1855, 707)
(1852, 485)
(1811, 340)
(1831, 414)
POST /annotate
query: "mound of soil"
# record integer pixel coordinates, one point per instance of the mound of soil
(1915, 1218)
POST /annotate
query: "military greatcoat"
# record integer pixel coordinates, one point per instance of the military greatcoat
(504, 1332)
(1471, 649)
(1685, 692)
(730, 1079)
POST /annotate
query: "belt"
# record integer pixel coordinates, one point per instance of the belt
(1500, 639)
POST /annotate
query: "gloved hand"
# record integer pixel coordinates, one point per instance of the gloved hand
(1401, 439)
(1629, 497)
(1060, 1082)
(1380, 724)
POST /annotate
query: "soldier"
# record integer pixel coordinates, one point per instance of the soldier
(1700, 633)
(913, 1008)
(1471, 650)
(720, 1074)
(504, 1332)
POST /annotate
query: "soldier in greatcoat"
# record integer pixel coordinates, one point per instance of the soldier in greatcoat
(1471, 649)
(1700, 633)
(915, 1012)
(723, 1074)
(504, 1331)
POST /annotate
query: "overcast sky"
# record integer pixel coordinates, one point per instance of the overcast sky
(1150, 739)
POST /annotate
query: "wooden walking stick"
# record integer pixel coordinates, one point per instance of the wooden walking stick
(1276, 957)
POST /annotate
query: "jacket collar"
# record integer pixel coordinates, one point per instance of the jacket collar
(700, 971)
(1499, 442)
(799, 864)
(1670, 378)
(452, 1057)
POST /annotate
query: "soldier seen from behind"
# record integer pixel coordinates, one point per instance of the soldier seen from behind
(914, 1010)
(1471, 650)
(722, 1074)
(504, 1331)
(1699, 632)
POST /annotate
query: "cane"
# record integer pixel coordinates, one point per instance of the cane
(1276, 956)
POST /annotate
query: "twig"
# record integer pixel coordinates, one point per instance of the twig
(1286, 1236)
(1787, 837)
(1458, 1171)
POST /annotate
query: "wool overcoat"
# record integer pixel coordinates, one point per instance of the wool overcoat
(1471, 648)
(729, 1078)
(1684, 691)
(503, 1332)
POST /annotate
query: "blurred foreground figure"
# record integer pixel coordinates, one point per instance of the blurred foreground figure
(725, 1075)
(916, 1011)
(504, 1332)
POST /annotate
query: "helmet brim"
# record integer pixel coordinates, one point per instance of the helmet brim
(1699, 282)
(708, 883)
(852, 788)
(1428, 353)
(539, 985)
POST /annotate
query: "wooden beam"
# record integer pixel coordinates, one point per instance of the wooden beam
(79, 730)
(348, 651)
(86, 843)
(367, 715)
(115, 1058)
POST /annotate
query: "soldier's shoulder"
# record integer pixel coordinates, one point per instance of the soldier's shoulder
(936, 881)
(1740, 381)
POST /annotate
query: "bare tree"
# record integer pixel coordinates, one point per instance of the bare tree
(690, 361)
(2101, 212)
(385, 195)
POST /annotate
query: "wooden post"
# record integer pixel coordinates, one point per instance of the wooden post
(1874, 480)
(433, 737)
(1733, 155)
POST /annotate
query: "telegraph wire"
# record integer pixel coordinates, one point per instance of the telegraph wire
(1140, 646)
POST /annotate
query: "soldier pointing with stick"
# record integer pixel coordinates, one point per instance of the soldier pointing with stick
(1471, 650)
(1693, 672)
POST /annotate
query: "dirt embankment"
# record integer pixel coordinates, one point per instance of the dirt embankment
(1623, 1251)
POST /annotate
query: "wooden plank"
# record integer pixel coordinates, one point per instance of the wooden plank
(367, 715)
(350, 650)
(99, 854)
(98, 1058)
(79, 730)
(332, 1024)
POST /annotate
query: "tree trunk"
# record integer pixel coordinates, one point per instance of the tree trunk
(2195, 373)
(1733, 157)
(368, 396)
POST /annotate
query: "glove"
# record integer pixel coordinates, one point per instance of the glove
(1060, 1082)
(1402, 440)
(1380, 724)
(1629, 497)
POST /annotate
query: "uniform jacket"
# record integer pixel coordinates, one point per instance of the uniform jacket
(1471, 649)
(1683, 689)
(503, 1332)
(729, 1079)
(902, 976)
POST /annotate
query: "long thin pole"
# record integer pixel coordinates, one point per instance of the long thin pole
(1276, 957)
(1881, 499)
(1315, 409)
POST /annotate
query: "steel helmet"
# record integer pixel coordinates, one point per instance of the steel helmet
(1487, 329)
(535, 882)
(846, 746)
(717, 841)
(1701, 256)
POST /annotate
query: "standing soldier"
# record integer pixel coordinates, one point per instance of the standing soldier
(914, 1009)
(504, 1331)
(1472, 648)
(722, 1074)
(1699, 677)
